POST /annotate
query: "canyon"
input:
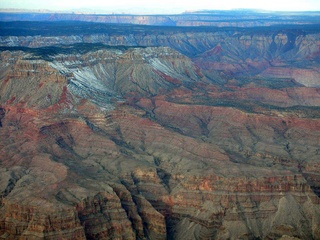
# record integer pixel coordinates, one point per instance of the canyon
(160, 132)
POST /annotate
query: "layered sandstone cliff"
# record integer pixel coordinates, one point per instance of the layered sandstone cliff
(282, 54)
(128, 177)
(137, 143)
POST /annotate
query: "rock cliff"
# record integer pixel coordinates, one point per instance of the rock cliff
(100, 142)
(288, 53)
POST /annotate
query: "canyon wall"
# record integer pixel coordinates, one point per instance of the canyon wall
(263, 53)
(100, 142)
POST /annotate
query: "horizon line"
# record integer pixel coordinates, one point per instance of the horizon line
(121, 12)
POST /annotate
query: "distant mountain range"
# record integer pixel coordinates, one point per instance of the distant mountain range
(236, 18)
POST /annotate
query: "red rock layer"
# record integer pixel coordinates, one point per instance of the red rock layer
(155, 167)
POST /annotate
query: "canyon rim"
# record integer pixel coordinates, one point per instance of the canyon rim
(201, 125)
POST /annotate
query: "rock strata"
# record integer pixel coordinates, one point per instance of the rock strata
(142, 143)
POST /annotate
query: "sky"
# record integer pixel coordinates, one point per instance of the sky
(160, 6)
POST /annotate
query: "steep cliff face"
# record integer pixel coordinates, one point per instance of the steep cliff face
(30, 83)
(282, 55)
(141, 143)
(148, 71)
(271, 43)
(267, 52)
(125, 176)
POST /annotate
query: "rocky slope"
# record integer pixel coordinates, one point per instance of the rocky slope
(272, 43)
(147, 71)
(287, 53)
(144, 143)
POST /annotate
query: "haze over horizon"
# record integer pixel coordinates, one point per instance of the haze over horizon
(166, 6)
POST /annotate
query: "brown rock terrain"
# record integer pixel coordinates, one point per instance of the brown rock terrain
(307, 77)
(143, 143)
(110, 181)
